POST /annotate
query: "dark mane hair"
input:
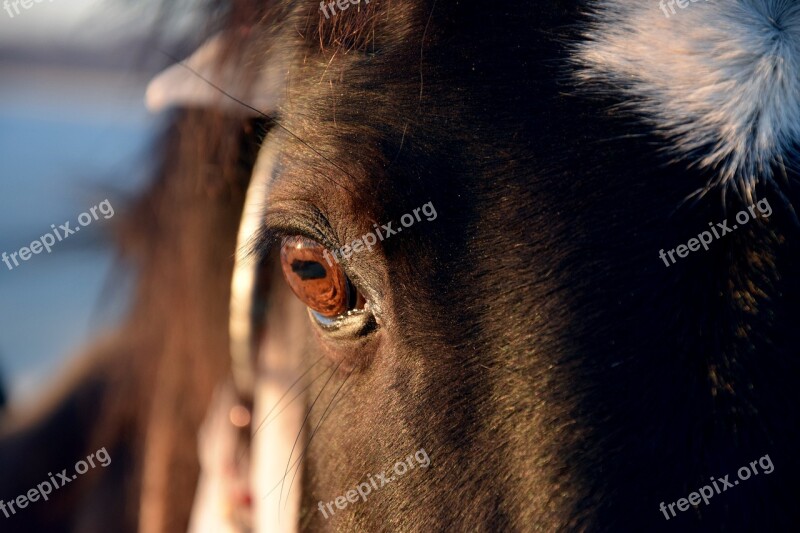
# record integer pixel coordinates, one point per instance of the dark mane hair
(181, 236)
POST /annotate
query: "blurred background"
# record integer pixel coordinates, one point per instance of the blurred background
(73, 132)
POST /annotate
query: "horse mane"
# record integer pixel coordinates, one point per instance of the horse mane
(180, 234)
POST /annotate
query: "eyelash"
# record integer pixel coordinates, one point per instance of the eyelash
(283, 224)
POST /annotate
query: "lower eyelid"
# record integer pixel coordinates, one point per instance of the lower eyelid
(323, 320)
(357, 323)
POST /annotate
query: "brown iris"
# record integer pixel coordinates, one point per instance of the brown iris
(316, 278)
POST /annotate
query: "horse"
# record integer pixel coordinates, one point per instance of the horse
(512, 333)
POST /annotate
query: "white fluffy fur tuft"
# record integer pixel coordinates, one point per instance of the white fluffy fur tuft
(720, 78)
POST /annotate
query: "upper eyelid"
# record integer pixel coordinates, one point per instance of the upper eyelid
(280, 223)
(304, 216)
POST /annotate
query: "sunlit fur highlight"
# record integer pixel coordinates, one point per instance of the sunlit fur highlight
(719, 79)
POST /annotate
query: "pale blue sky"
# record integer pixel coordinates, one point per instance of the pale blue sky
(61, 20)
(86, 22)
(69, 137)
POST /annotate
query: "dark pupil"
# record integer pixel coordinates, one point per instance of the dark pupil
(308, 269)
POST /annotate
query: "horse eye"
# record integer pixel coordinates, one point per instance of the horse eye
(317, 279)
